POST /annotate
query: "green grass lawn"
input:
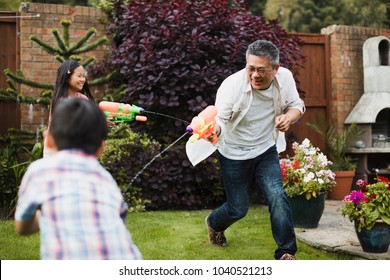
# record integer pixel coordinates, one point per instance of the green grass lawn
(180, 235)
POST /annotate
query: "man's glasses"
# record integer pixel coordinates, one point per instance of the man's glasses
(260, 70)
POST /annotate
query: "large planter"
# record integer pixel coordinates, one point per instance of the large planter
(343, 185)
(375, 240)
(307, 213)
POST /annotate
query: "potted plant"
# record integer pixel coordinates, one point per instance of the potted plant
(368, 208)
(306, 179)
(336, 149)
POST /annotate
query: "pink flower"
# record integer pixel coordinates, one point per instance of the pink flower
(361, 182)
(356, 197)
(368, 203)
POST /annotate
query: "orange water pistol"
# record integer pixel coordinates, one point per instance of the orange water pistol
(120, 112)
(202, 125)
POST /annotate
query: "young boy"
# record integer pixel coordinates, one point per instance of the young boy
(69, 197)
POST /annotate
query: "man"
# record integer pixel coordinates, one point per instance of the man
(254, 106)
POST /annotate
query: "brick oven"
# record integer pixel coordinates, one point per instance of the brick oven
(372, 112)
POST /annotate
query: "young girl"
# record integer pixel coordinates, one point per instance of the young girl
(71, 82)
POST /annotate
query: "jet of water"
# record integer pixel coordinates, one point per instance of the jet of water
(153, 159)
(168, 116)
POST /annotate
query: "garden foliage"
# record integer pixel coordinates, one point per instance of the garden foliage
(16, 153)
(163, 186)
(172, 56)
(368, 204)
(63, 51)
(308, 172)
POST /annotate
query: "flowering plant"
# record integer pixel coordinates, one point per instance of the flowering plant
(368, 204)
(307, 172)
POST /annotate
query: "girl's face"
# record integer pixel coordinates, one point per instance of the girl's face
(77, 80)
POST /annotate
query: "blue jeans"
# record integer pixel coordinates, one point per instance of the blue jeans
(238, 176)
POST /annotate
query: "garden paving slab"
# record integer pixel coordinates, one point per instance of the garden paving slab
(336, 233)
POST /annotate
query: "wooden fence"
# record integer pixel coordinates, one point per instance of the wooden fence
(9, 58)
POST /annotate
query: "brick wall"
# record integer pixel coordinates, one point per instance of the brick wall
(346, 66)
(36, 64)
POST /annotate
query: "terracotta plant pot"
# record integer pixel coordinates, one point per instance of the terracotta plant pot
(343, 185)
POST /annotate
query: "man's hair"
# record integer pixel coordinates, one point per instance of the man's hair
(78, 124)
(264, 49)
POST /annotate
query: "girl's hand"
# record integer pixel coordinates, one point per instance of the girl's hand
(110, 123)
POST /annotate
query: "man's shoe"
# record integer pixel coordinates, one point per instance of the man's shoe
(215, 237)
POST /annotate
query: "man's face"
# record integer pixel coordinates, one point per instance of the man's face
(259, 72)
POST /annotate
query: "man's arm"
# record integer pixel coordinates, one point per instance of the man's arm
(30, 226)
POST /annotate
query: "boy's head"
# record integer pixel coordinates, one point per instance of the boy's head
(77, 124)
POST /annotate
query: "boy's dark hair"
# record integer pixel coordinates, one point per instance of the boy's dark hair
(78, 124)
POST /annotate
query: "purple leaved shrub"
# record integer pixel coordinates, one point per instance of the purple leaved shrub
(172, 57)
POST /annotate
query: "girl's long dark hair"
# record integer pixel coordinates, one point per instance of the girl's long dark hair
(64, 73)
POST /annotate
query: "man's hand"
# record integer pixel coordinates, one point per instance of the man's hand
(283, 122)
(216, 132)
